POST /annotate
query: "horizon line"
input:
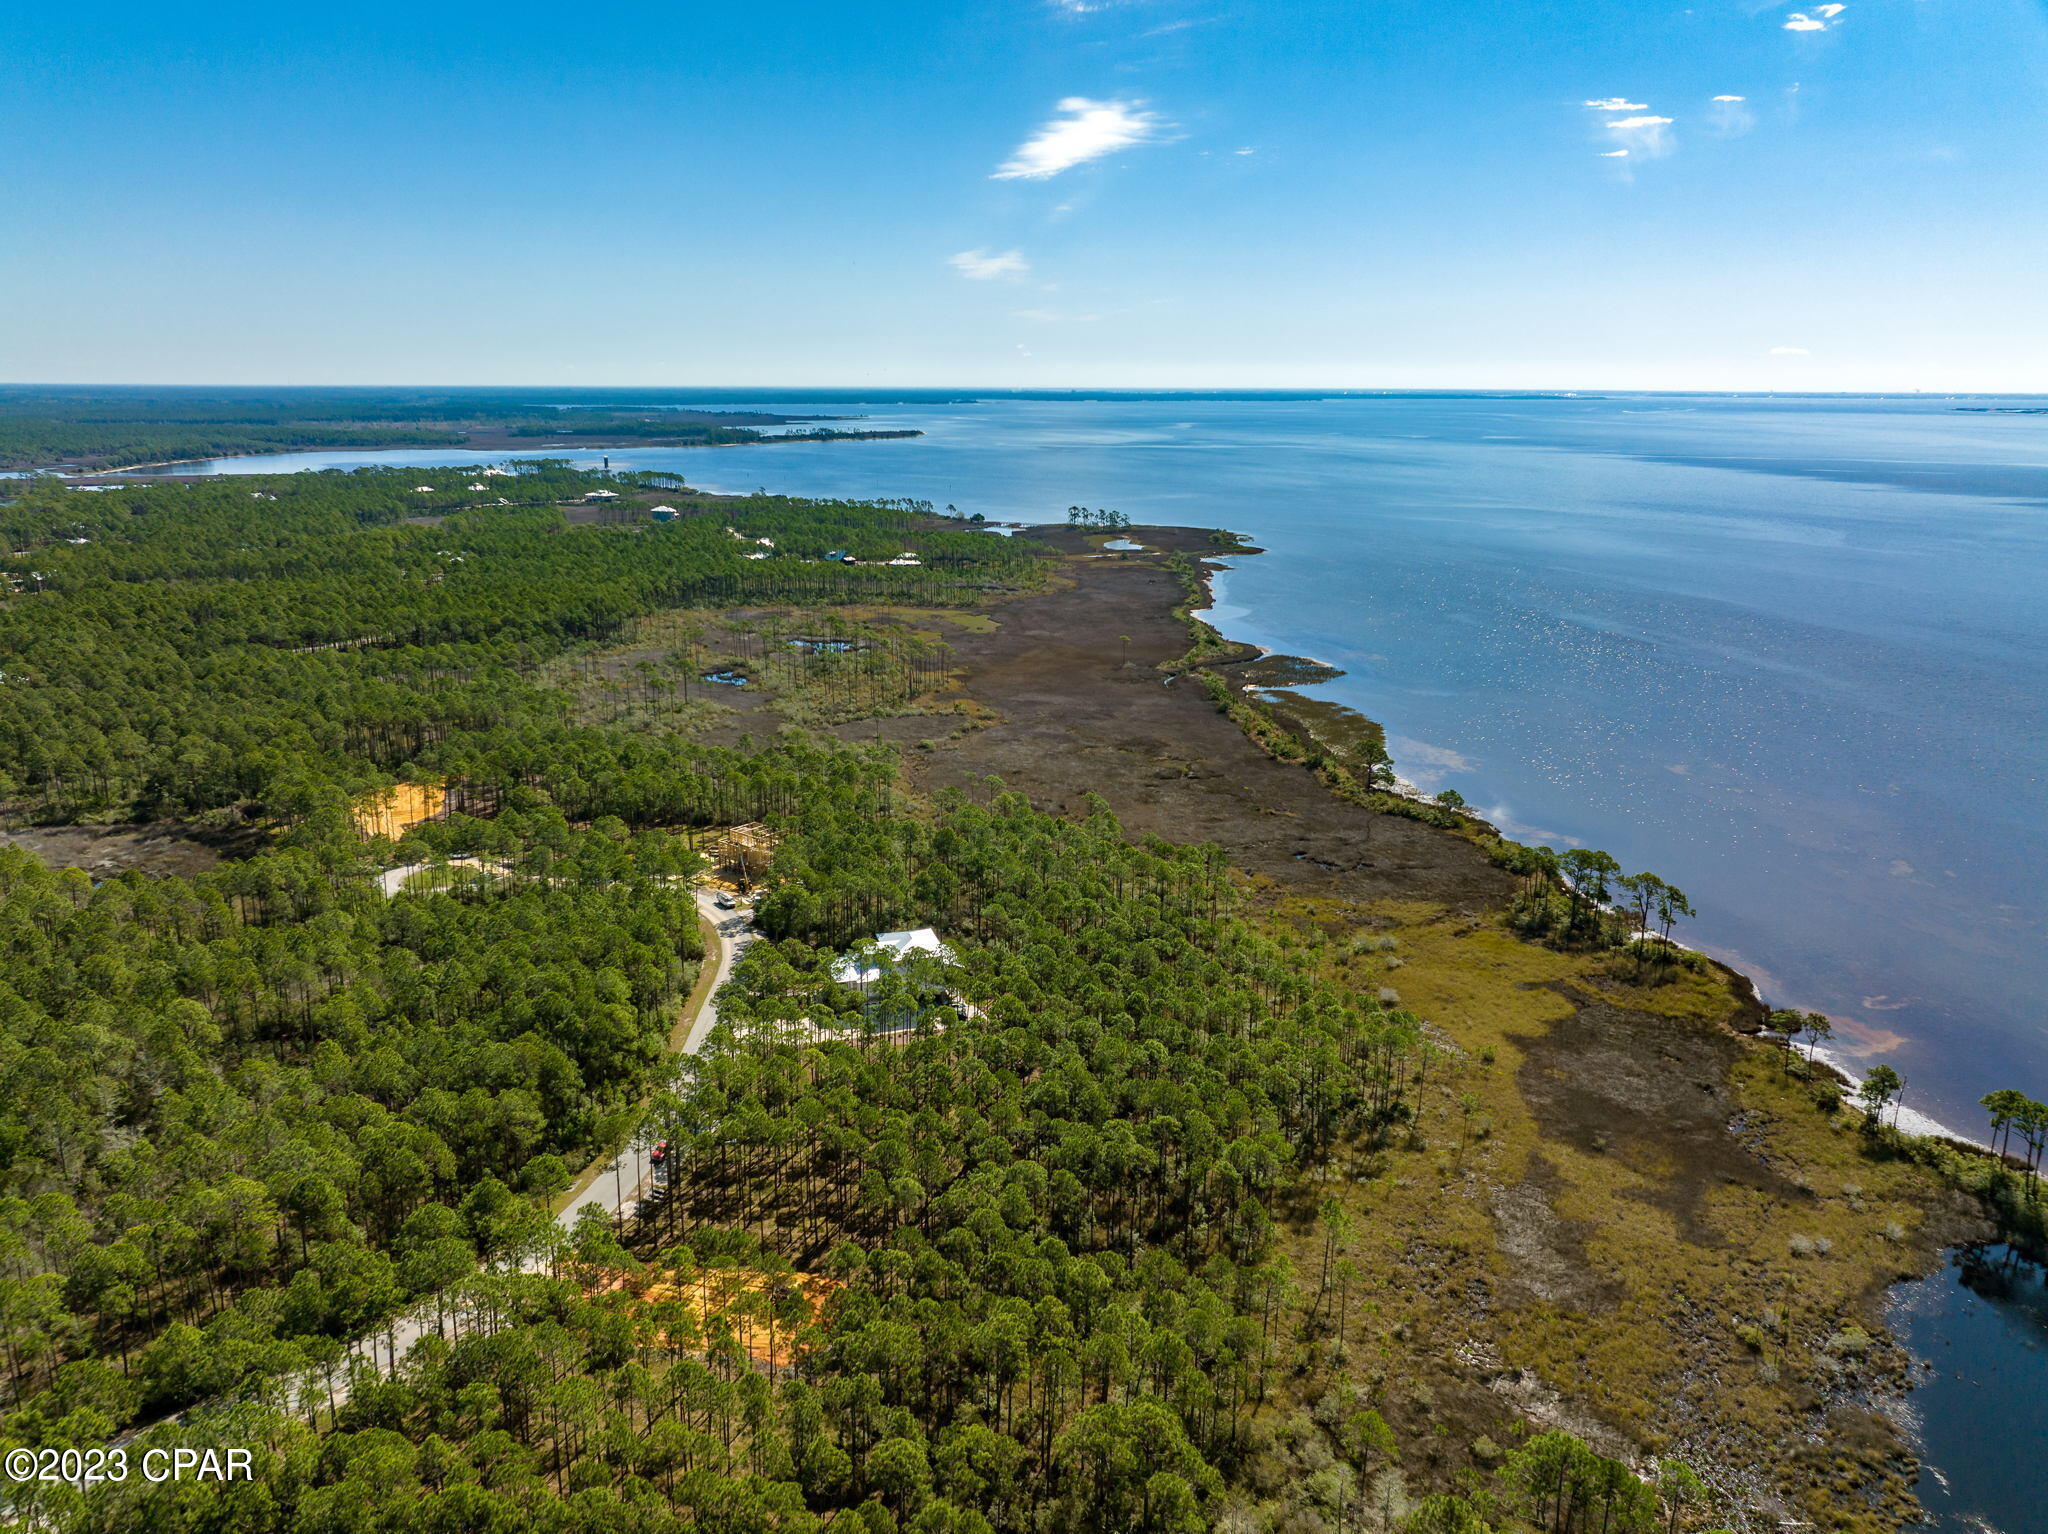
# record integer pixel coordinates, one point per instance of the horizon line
(1326, 391)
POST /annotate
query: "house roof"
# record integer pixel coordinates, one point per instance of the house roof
(877, 957)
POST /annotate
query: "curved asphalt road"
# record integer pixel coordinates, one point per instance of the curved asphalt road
(604, 1182)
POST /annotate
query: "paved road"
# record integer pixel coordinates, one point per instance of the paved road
(620, 1182)
(610, 1183)
(603, 1183)
(392, 880)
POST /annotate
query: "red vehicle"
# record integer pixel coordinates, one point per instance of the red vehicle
(660, 1152)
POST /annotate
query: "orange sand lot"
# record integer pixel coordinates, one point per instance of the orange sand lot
(725, 1293)
(398, 811)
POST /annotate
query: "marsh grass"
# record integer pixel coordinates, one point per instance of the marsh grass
(1629, 1300)
(810, 668)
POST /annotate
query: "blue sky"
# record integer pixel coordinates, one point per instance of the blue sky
(1156, 193)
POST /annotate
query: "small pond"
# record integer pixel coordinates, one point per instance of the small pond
(1978, 1331)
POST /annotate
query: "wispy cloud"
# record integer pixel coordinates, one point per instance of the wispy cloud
(1790, 351)
(1730, 115)
(1054, 317)
(1822, 17)
(1085, 130)
(988, 265)
(1640, 134)
(1645, 136)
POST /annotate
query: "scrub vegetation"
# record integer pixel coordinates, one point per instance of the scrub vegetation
(696, 671)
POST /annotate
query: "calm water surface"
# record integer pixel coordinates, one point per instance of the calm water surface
(1980, 1411)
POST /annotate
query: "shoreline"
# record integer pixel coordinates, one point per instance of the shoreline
(1398, 787)
(1617, 1118)
(1896, 1400)
(1907, 1120)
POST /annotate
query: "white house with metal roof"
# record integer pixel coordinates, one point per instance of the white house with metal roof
(879, 958)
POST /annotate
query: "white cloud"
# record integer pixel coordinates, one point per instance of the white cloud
(1822, 18)
(1244, 151)
(1829, 11)
(1642, 135)
(1730, 116)
(1790, 351)
(1085, 130)
(987, 265)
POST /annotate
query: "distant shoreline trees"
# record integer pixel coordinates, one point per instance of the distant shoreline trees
(2014, 1112)
(1570, 897)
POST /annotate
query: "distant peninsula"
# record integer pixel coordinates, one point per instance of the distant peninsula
(80, 430)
